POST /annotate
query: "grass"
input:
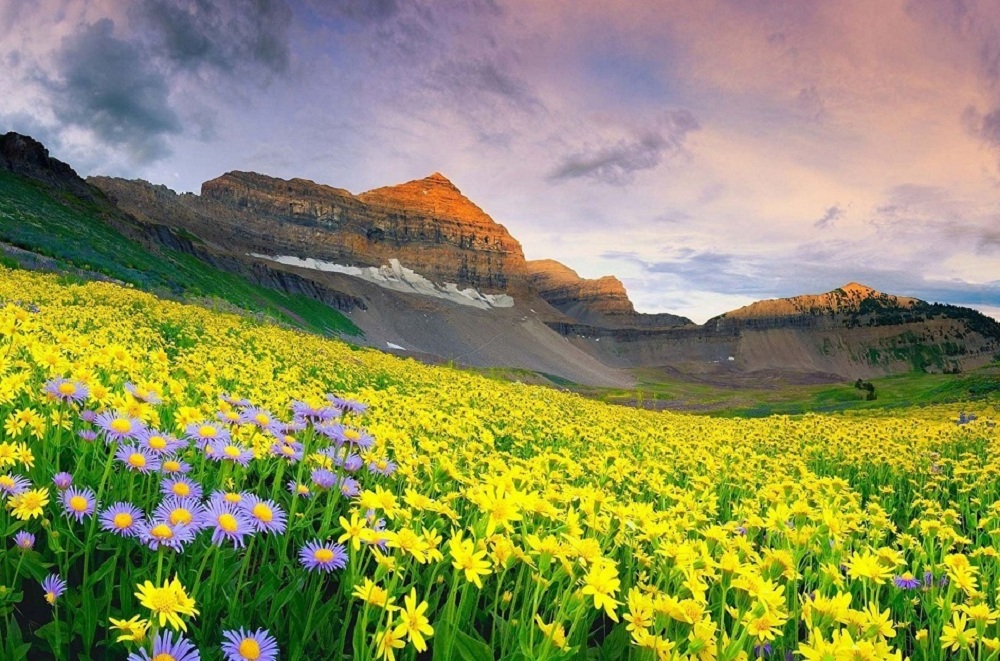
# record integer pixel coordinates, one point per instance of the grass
(76, 234)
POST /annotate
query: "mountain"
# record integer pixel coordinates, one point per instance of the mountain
(602, 301)
(419, 268)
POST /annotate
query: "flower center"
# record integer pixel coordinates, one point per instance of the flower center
(231, 451)
(228, 522)
(180, 515)
(78, 504)
(121, 425)
(323, 555)
(181, 489)
(163, 600)
(67, 388)
(123, 520)
(157, 442)
(263, 512)
(162, 531)
(137, 459)
(207, 431)
(171, 466)
(249, 649)
(262, 419)
(232, 497)
(352, 435)
(164, 656)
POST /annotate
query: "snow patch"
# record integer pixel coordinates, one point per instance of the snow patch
(394, 346)
(397, 277)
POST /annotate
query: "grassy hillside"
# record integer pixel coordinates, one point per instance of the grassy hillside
(76, 236)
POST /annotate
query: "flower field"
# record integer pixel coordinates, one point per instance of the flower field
(181, 484)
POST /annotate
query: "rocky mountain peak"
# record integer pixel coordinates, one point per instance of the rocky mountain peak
(26, 156)
(848, 298)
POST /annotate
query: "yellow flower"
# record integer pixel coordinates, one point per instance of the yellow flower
(167, 602)
(388, 641)
(602, 583)
(467, 559)
(133, 630)
(554, 632)
(354, 530)
(29, 504)
(374, 594)
(867, 566)
(416, 624)
(955, 636)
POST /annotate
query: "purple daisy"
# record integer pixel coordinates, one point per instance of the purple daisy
(309, 412)
(323, 556)
(24, 540)
(229, 417)
(54, 588)
(265, 515)
(260, 417)
(235, 401)
(347, 405)
(88, 435)
(174, 466)
(352, 463)
(79, 503)
(160, 443)
(148, 396)
(181, 487)
(293, 451)
(123, 519)
(206, 432)
(137, 458)
(297, 489)
(906, 581)
(66, 390)
(118, 427)
(350, 487)
(230, 523)
(62, 480)
(11, 484)
(323, 478)
(247, 645)
(185, 512)
(233, 498)
(383, 467)
(342, 435)
(160, 533)
(165, 647)
(88, 416)
(230, 451)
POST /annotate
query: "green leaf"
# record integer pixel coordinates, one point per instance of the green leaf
(615, 644)
(471, 648)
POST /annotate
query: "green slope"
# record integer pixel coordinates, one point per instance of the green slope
(75, 234)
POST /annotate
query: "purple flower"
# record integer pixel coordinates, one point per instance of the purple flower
(323, 556)
(148, 396)
(181, 487)
(265, 515)
(382, 467)
(260, 417)
(350, 487)
(182, 512)
(172, 466)
(54, 588)
(229, 451)
(24, 540)
(342, 435)
(906, 581)
(62, 480)
(11, 485)
(347, 405)
(123, 519)
(243, 645)
(160, 443)
(761, 651)
(229, 523)
(235, 401)
(88, 435)
(297, 489)
(352, 463)
(323, 478)
(205, 432)
(165, 647)
(138, 458)
(310, 412)
(292, 451)
(118, 427)
(233, 498)
(66, 390)
(88, 416)
(79, 503)
(160, 533)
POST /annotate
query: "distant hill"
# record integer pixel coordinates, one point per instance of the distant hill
(418, 268)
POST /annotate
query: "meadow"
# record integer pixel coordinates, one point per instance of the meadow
(184, 484)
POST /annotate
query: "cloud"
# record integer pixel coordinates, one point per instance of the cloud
(616, 163)
(829, 217)
(107, 85)
(231, 37)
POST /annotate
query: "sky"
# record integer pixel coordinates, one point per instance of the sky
(707, 153)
